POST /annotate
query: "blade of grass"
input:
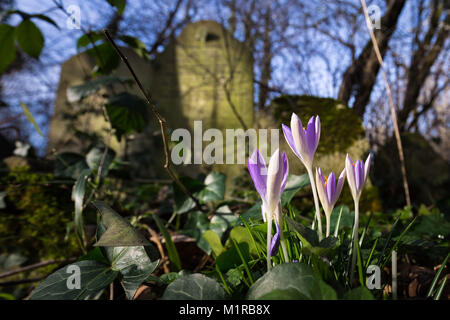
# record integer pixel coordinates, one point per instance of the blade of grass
(403, 233)
(436, 277)
(171, 249)
(395, 246)
(244, 262)
(360, 270)
(246, 225)
(387, 241)
(336, 229)
(371, 253)
(225, 285)
(440, 289)
(365, 229)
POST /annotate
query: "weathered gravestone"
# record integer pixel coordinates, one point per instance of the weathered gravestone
(203, 75)
(75, 123)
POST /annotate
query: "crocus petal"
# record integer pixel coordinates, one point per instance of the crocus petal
(285, 171)
(275, 244)
(359, 176)
(367, 167)
(274, 180)
(317, 131)
(322, 179)
(331, 188)
(321, 190)
(310, 135)
(339, 186)
(350, 175)
(300, 140)
(290, 140)
(258, 172)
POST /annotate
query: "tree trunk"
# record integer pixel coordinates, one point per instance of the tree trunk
(360, 76)
(422, 60)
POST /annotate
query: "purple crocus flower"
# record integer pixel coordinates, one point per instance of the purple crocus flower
(329, 191)
(357, 173)
(270, 183)
(303, 142)
(259, 172)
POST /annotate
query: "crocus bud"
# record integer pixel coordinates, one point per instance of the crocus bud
(328, 189)
(357, 174)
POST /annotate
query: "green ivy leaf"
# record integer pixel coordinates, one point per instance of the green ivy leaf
(69, 164)
(119, 231)
(254, 213)
(196, 225)
(105, 56)
(137, 45)
(230, 257)
(223, 220)
(89, 38)
(183, 203)
(214, 187)
(94, 276)
(194, 287)
(7, 47)
(45, 18)
(94, 156)
(290, 281)
(214, 242)
(135, 263)
(30, 38)
(127, 113)
(79, 92)
(308, 236)
(78, 192)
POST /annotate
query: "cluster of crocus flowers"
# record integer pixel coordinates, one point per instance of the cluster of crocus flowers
(270, 183)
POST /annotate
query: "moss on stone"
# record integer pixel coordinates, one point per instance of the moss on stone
(35, 220)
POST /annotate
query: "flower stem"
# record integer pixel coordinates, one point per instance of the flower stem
(316, 202)
(355, 238)
(269, 240)
(327, 216)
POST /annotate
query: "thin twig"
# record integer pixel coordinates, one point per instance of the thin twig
(155, 238)
(161, 120)
(391, 104)
(17, 282)
(34, 266)
(202, 263)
